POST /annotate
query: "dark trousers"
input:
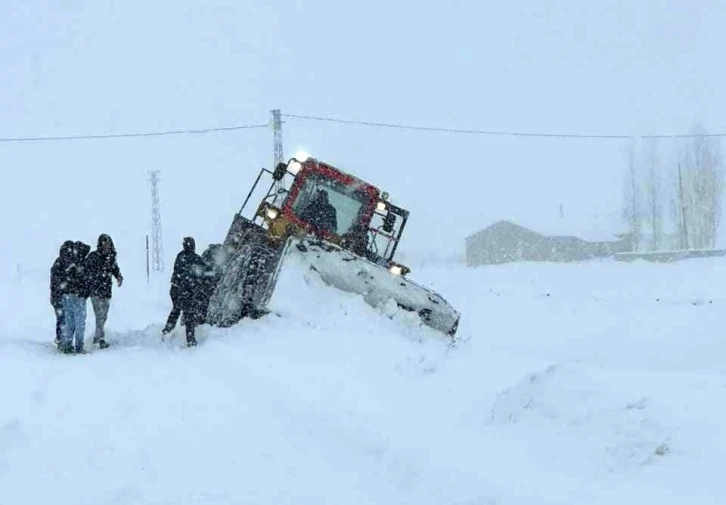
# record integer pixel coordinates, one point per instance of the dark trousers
(100, 310)
(59, 318)
(173, 316)
(190, 333)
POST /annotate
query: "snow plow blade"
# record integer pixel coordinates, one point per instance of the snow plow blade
(250, 273)
(344, 270)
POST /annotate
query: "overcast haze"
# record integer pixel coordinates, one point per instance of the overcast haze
(557, 67)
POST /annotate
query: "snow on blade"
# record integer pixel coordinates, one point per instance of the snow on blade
(364, 280)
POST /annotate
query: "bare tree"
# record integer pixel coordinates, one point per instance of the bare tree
(631, 211)
(653, 194)
(694, 190)
(702, 190)
(681, 211)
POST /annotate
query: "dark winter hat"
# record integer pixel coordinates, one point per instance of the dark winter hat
(188, 244)
(66, 249)
(105, 243)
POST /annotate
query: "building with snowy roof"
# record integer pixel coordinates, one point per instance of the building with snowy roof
(505, 241)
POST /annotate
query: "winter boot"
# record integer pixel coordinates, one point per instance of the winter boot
(191, 341)
(98, 336)
(102, 344)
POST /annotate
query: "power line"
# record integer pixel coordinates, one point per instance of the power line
(400, 126)
(129, 135)
(501, 133)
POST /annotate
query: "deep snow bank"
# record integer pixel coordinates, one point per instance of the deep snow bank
(590, 383)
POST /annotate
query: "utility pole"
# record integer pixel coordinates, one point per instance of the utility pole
(277, 137)
(157, 254)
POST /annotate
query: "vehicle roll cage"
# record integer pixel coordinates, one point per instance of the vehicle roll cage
(278, 193)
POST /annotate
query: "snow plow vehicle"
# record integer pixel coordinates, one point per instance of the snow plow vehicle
(343, 228)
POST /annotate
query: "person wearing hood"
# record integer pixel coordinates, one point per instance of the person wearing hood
(74, 300)
(320, 213)
(187, 290)
(101, 265)
(59, 286)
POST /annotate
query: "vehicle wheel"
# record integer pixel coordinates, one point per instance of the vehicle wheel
(227, 303)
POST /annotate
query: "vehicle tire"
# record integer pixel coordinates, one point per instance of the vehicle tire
(227, 305)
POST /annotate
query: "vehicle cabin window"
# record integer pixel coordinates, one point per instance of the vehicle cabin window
(349, 202)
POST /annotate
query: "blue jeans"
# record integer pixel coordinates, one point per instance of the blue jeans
(74, 325)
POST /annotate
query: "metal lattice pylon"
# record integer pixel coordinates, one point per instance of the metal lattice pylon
(277, 137)
(277, 153)
(157, 250)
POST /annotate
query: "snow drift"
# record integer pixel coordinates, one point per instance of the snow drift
(590, 383)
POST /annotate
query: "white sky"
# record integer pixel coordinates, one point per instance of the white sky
(105, 66)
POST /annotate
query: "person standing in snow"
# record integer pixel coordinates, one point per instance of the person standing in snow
(100, 266)
(74, 300)
(187, 283)
(59, 285)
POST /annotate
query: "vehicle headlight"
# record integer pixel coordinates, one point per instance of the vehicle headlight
(396, 270)
(301, 156)
(272, 213)
(294, 167)
(381, 206)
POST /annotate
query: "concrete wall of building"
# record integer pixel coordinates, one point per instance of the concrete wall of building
(501, 243)
(505, 242)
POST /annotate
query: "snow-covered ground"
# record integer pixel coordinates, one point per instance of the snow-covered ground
(600, 382)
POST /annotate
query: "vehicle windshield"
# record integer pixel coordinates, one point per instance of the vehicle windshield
(329, 204)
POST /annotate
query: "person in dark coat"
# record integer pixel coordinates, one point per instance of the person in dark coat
(59, 285)
(320, 213)
(74, 300)
(187, 290)
(101, 265)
